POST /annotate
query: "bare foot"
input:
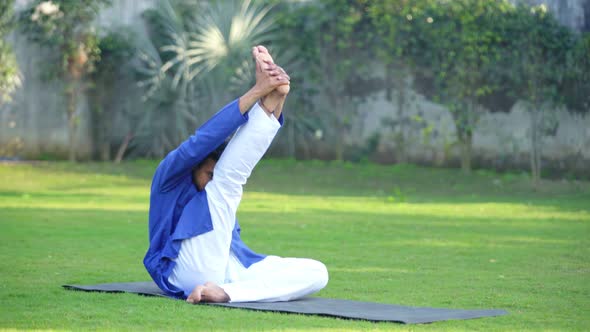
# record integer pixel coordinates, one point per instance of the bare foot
(209, 292)
(273, 102)
(196, 295)
(261, 53)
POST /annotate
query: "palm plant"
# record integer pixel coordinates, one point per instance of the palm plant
(195, 60)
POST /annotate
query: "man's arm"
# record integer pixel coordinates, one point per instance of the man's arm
(181, 161)
(268, 78)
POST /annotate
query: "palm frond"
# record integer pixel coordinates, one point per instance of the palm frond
(218, 38)
(148, 66)
(197, 57)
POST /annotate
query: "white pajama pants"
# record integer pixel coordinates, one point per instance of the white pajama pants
(208, 258)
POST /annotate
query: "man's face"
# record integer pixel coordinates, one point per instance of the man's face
(204, 174)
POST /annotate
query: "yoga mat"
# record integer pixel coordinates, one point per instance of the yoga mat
(377, 312)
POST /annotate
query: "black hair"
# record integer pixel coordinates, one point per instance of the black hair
(213, 155)
(216, 154)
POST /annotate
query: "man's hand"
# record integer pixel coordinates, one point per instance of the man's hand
(272, 83)
(274, 101)
(260, 53)
(269, 76)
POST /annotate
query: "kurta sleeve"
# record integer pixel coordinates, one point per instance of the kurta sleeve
(179, 162)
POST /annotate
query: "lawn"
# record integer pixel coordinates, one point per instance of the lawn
(393, 234)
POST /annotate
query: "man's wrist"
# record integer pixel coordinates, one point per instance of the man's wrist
(264, 107)
(249, 99)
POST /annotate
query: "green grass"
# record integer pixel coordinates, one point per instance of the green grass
(392, 234)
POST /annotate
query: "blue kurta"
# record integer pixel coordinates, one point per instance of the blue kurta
(177, 210)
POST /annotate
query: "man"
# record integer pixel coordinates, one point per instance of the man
(195, 247)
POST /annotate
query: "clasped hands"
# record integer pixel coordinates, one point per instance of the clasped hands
(271, 80)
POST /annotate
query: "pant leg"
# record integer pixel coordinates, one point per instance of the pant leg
(240, 157)
(274, 279)
(205, 257)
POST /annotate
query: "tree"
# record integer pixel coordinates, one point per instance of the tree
(537, 58)
(461, 47)
(332, 38)
(305, 122)
(10, 77)
(396, 31)
(111, 84)
(64, 29)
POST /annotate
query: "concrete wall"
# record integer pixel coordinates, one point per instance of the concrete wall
(500, 139)
(35, 122)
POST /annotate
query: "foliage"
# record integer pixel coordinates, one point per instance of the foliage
(63, 28)
(395, 22)
(112, 88)
(332, 39)
(305, 124)
(10, 77)
(577, 81)
(396, 34)
(471, 56)
(460, 48)
(538, 50)
(536, 59)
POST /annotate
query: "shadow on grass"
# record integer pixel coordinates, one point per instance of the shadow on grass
(140, 169)
(398, 183)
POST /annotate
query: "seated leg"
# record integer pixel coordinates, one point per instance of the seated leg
(274, 279)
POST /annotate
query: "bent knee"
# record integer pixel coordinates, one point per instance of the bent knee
(320, 275)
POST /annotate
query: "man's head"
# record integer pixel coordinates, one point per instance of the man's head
(203, 172)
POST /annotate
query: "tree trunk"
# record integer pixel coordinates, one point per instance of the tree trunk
(401, 101)
(291, 141)
(71, 97)
(99, 129)
(305, 149)
(389, 85)
(103, 141)
(464, 124)
(339, 148)
(466, 147)
(336, 102)
(535, 154)
(31, 120)
(105, 151)
(123, 148)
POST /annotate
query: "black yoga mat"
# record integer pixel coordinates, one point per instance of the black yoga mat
(318, 306)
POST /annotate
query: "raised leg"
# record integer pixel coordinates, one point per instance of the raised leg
(240, 157)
